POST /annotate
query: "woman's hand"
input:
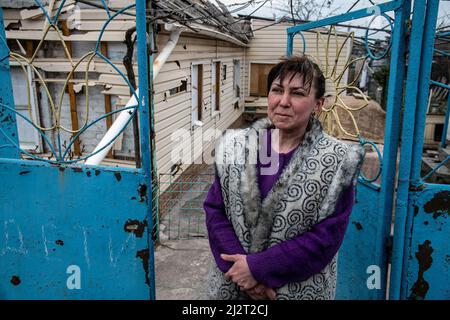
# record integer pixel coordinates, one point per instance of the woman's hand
(239, 273)
(261, 292)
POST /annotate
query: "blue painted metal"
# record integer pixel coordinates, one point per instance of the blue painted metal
(431, 199)
(9, 136)
(421, 253)
(424, 87)
(440, 84)
(366, 240)
(380, 160)
(423, 179)
(290, 46)
(381, 8)
(356, 253)
(444, 53)
(366, 40)
(58, 216)
(144, 117)
(427, 265)
(406, 147)
(392, 134)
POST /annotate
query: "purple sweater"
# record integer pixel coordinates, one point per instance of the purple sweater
(298, 258)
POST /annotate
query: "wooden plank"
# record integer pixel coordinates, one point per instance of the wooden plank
(11, 14)
(117, 90)
(168, 85)
(100, 15)
(183, 113)
(163, 79)
(113, 79)
(108, 107)
(37, 13)
(29, 48)
(113, 36)
(119, 4)
(72, 96)
(254, 78)
(114, 25)
(167, 113)
(59, 66)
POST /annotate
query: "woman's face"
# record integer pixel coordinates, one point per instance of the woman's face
(290, 104)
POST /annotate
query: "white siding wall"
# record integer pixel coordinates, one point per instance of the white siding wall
(269, 45)
(175, 112)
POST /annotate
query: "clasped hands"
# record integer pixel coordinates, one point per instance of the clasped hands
(240, 274)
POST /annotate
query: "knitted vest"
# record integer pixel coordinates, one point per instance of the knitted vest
(305, 193)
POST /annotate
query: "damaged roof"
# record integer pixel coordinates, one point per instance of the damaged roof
(18, 4)
(198, 16)
(194, 12)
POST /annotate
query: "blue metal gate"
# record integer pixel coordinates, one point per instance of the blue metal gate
(417, 252)
(421, 253)
(72, 231)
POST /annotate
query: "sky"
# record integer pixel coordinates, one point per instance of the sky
(338, 7)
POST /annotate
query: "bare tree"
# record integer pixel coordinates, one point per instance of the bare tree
(304, 10)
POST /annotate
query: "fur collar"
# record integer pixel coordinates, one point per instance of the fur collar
(259, 213)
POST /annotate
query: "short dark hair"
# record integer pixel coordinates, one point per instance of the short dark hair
(305, 67)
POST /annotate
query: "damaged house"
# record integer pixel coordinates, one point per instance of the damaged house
(214, 70)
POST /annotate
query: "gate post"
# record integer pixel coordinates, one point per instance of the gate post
(422, 36)
(144, 116)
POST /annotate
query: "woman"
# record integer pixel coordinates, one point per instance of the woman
(275, 233)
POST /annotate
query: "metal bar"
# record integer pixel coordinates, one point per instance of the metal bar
(7, 117)
(392, 133)
(424, 87)
(384, 7)
(447, 54)
(440, 84)
(419, 123)
(436, 169)
(290, 44)
(443, 34)
(406, 148)
(39, 163)
(144, 72)
(445, 130)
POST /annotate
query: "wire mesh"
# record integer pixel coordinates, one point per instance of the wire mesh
(181, 200)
